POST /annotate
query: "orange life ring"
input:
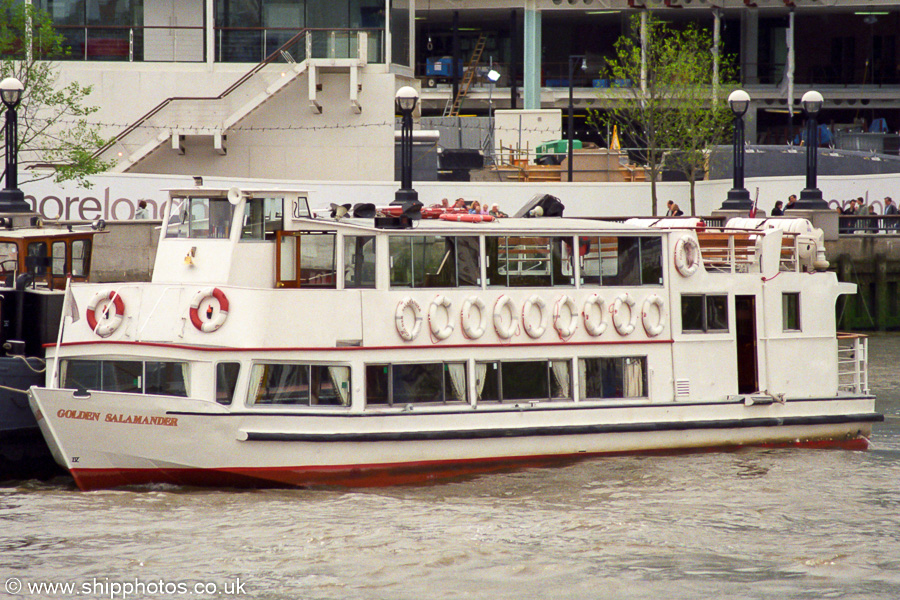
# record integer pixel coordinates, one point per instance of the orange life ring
(466, 217)
(214, 319)
(108, 324)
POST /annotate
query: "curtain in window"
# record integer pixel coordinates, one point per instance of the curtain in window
(186, 379)
(63, 369)
(340, 379)
(457, 373)
(560, 369)
(480, 375)
(634, 378)
(256, 378)
(582, 379)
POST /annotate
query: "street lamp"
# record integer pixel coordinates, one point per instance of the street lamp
(738, 196)
(11, 197)
(406, 197)
(572, 60)
(492, 76)
(811, 197)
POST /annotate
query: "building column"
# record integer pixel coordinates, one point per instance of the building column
(750, 46)
(210, 29)
(532, 56)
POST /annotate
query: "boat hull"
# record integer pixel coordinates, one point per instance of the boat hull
(112, 440)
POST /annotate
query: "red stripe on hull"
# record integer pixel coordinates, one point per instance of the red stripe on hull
(375, 475)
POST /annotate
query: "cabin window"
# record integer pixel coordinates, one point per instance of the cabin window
(434, 261)
(359, 261)
(81, 255)
(401, 384)
(262, 218)
(613, 377)
(305, 259)
(532, 261)
(620, 261)
(58, 260)
(36, 259)
(201, 218)
(226, 381)
(790, 311)
(299, 384)
(499, 381)
(706, 313)
(9, 257)
(131, 376)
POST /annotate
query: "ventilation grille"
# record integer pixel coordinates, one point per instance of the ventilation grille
(682, 388)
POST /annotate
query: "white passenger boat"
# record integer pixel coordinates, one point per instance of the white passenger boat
(275, 348)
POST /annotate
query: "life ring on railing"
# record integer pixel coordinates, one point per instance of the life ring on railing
(624, 327)
(593, 326)
(108, 324)
(687, 256)
(534, 331)
(473, 332)
(440, 301)
(652, 329)
(568, 330)
(408, 333)
(466, 217)
(214, 319)
(508, 331)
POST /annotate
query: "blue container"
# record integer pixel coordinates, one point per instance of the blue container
(622, 83)
(441, 67)
(601, 83)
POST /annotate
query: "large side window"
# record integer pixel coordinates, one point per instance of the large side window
(499, 381)
(299, 384)
(359, 261)
(402, 384)
(434, 261)
(613, 377)
(621, 261)
(704, 313)
(305, 259)
(131, 376)
(532, 261)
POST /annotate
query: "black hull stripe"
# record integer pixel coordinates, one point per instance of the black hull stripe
(414, 436)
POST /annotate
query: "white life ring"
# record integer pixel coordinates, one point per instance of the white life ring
(594, 326)
(408, 333)
(623, 326)
(567, 330)
(473, 329)
(109, 320)
(687, 256)
(507, 331)
(213, 321)
(534, 331)
(440, 301)
(652, 329)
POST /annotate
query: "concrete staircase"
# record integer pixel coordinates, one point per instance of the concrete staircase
(174, 118)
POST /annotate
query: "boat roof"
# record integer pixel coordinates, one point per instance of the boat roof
(502, 225)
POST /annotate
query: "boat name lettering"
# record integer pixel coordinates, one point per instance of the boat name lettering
(78, 414)
(140, 420)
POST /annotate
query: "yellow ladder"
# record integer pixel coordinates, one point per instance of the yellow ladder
(453, 104)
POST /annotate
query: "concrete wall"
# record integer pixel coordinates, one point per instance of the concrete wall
(125, 251)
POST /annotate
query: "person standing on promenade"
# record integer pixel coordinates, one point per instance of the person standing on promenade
(778, 211)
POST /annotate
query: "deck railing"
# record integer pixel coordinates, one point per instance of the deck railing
(853, 363)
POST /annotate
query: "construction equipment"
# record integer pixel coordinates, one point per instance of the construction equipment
(453, 104)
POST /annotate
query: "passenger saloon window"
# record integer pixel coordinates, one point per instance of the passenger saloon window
(621, 261)
(359, 261)
(201, 218)
(790, 311)
(398, 385)
(706, 313)
(533, 261)
(434, 261)
(522, 380)
(303, 385)
(136, 377)
(616, 377)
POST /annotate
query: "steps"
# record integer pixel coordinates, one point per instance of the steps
(453, 104)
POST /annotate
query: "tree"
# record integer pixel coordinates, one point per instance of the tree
(673, 102)
(53, 127)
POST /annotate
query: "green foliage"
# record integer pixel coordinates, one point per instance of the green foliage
(53, 127)
(674, 107)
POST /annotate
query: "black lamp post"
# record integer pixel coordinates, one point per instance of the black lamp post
(738, 196)
(811, 197)
(571, 134)
(11, 197)
(406, 197)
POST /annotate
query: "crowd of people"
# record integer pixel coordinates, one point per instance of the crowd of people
(855, 206)
(473, 208)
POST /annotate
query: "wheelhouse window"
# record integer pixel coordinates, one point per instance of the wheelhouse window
(359, 261)
(402, 384)
(262, 218)
(37, 259)
(620, 261)
(499, 381)
(528, 261)
(201, 218)
(613, 377)
(81, 257)
(58, 258)
(305, 259)
(790, 311)
(704, 313)
(299, 385)
(434, 261)
(131, 376)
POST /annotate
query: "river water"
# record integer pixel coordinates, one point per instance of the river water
(754, 524)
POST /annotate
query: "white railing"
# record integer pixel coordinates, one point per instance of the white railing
(853, 363)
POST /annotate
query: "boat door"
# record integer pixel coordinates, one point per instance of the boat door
(745, 336)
